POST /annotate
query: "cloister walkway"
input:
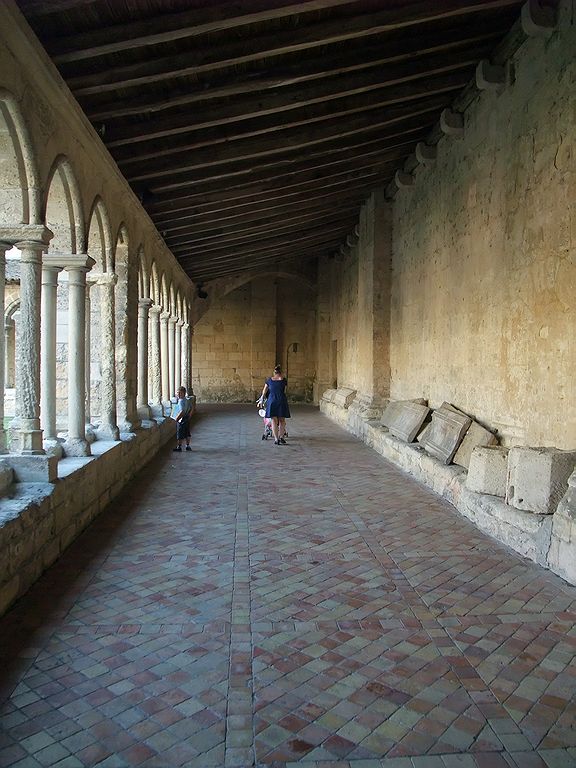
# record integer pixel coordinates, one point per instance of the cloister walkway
(306, 604)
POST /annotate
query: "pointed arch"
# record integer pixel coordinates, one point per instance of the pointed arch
(100, 246)
(20, 190)
(63, 211)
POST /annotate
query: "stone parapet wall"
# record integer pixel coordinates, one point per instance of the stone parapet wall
(38, 521)
(546, 540)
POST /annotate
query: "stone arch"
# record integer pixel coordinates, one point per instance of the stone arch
(20, 190)
(63, 210)
(100, 237)
(154, 284)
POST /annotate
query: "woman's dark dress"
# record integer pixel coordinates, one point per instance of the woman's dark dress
(277, 403)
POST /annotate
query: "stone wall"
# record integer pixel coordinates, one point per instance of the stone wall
(245, 333)
(484, 262)
(38, 521)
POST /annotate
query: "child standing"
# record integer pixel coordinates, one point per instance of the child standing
(182, 417)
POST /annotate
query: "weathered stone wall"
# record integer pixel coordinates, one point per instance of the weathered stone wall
(244, 334)
(483, 307)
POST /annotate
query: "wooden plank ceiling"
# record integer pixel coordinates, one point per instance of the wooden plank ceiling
(253, 130)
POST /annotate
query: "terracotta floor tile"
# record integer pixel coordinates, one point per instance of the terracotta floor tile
(265, 607)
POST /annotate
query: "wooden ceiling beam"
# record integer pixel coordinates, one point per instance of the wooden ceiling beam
(292, 40)
(318, 167)
(306, 70)
(265, 263)
(278, 221)
(271, 244)
(244, 211)
(318, 162)
(268, 147)
(254, 116)
(169, 27)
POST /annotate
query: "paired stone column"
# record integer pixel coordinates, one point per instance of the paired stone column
(186, 377)
(77, 267)
(164, 364)
(108, 429)
(51, 268)
(172, 355)
(144, 306)
(28, 362)
(155, 360)
(88, 354)
(3, 343)
(179, 381)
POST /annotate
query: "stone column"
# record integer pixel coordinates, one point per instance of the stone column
(77, 267)
(179, 381)
(108, 429)
(3, 344)
(51, 268)
(143, 363)
(88, 354)
(164, 364)
(172, 355)
(186, 377)
(155, 361)
(28, 362)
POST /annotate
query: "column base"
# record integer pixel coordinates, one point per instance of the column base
(31, 438)
(129, 427)
(144, 413)
(53, 446)
(157, 410)
(33, 469)
(77, 447)
(107, 432)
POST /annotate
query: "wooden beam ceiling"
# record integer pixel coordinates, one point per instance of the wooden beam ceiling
(254, 131)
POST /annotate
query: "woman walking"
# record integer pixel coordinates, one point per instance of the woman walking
(277, 404)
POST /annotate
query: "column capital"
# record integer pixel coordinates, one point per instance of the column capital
(155, 309)
(145, 303)
(26, 233)
(165, 316)
(172, 320)
(180, 323)
(77, 261)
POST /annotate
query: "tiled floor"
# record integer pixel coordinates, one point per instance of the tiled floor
(246, 604)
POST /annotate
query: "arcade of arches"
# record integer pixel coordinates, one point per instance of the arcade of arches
(460, 287)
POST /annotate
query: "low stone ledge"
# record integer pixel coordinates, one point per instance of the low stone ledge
(38, 521)
(528, 534)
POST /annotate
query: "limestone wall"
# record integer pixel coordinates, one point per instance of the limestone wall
(245, 333)
(483, 300)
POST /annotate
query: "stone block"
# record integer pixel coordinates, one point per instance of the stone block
(344, 397)
(538, 478)
(488, 470)
(475, 437)
(328, 395)
(562, 553)
(404, 419)
(446, 432)
(6, 477)
(33, 469)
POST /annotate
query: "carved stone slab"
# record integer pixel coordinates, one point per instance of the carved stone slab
(344, 396)
(447, 429)
(329, 395)
(394, 408)
(476, 436)
(407, 420)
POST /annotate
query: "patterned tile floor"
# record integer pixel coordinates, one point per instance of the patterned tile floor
(252, 605)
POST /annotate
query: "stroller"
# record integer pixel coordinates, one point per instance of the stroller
(267, 422)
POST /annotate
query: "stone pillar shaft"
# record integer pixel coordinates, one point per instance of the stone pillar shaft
(172, 355)
(164, 317)
(186, 377)
(155, 362)
(143, 314)
(28, 360)
(108, 426)
(3, 344)
(88, 353)
(77, 445)
(178, 355)
(48, 313)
